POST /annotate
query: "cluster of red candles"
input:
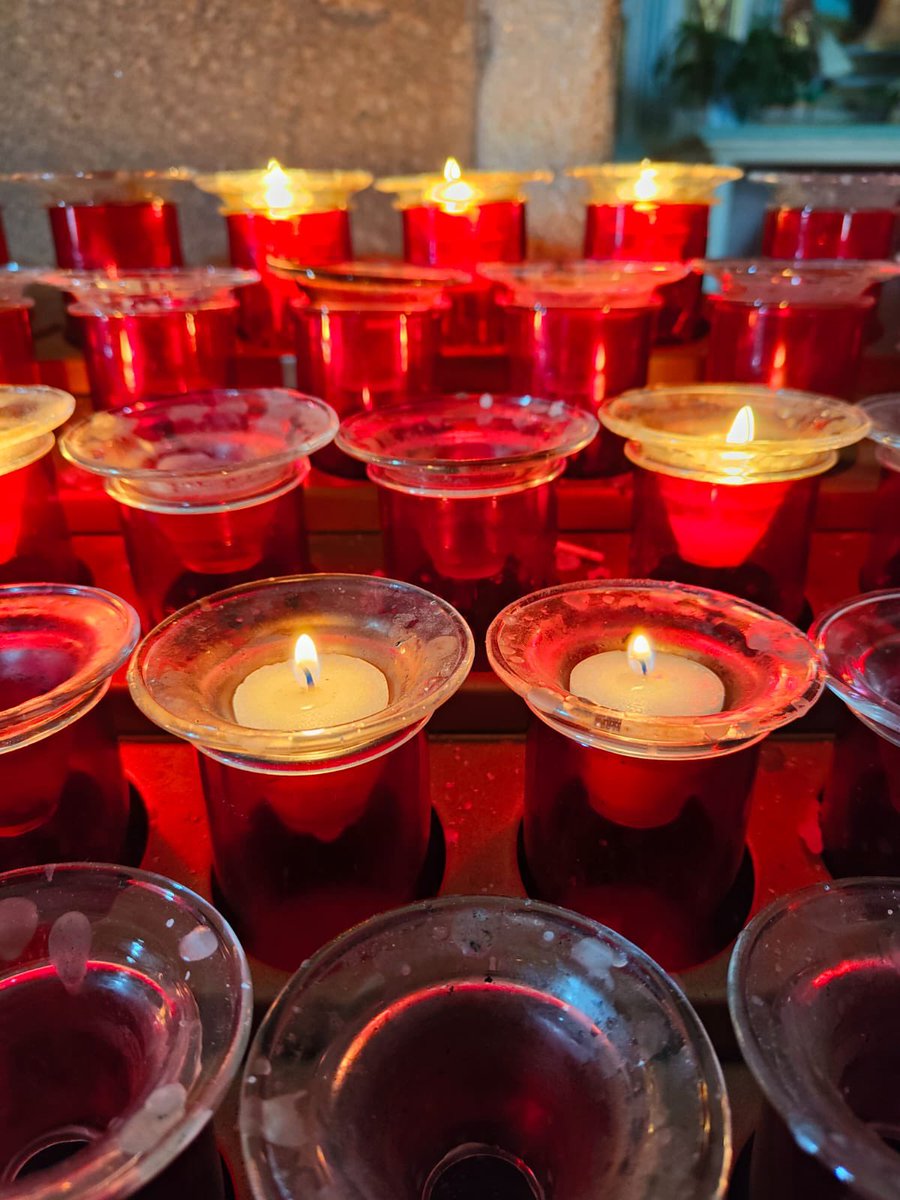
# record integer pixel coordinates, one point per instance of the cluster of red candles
(306, 695)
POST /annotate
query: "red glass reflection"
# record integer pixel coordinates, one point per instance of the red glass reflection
(829, 233)
(882, 566)
(649, 232)
(650, 847)
(4, 247)
(301, 858)
(126, 234)
(34, 539)
(17, 361)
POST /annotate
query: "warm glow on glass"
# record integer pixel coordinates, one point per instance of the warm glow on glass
(640, 654)
(277, 186)
(454, 194)
(306, 661)
(743, 428)
(646, 187)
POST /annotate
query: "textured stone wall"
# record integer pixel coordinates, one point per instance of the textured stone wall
(390, 85)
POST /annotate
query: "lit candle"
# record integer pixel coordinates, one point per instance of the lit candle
(277, 187)
(641, 680)
(310, 691)
(645, 186)
(455, 194)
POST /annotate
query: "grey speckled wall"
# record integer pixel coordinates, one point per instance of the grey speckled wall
(390, 85)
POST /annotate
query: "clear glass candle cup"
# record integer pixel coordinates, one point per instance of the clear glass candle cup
(821, 214)
(582, 332)
(154, 333)
(466, 485)
(34, 538)
(726, 484)
(209, 487)
(634, 819)
(18, 365)
(814, 988)
(462, 223)
(791, 323)
(882, 565)
(111, 220)
(527, 1052)
(859, 645)
(285, 213)
(63, 796)
(655, 211)
(312, 830)
(125, 1008)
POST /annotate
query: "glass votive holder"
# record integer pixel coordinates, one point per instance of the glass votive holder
(656, 212)
(63, 796)
(17, 362)
(528, 1052)
(467, 495)
(125, 1010)
(285, 213)
(791, 324)
(819, 214)
(322, 818)
(111, 220)
(633, 818)
(582, 332)
(461, 220)
(813, 989)
(727, 482)
(153, 333)
(34, 538)
(882, 565)
(209, 487)
(859, 646)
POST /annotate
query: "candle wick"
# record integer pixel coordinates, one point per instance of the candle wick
(643, 668)
(310, 682)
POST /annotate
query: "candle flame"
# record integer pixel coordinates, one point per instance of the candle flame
(640, 654)
(307, 669)
(454, 194)
(743, 428)
(277, 186)
(646, 187)
(452, 170)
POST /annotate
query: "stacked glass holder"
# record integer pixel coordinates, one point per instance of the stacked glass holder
(313, 830)
(467, 492)
(299, 215)
(656, 212)
(209, 487)
(635, 819)
(727, 482)
(63, 796)
(460, 224)
(882, 565)
(527, 1052)
(18, 365)
(153, 333)
(125, 1009)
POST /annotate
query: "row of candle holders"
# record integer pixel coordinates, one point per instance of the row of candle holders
(507, 1029)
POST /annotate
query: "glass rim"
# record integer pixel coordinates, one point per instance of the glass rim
(87, 1173)
(359, 281)
(29, 416)
(574, 428)
(213, 732)
(612, 183)
(313, 190)
(632, 733)
(854, 691)
(584, 281)
(488, 187)
(121, 628)
(665, 990)
(880, 409)
(829, 1127)
(795, 272)
(118, 175)
(135, 284)
(89, 443)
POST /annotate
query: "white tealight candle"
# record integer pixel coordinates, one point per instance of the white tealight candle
(310, 691)
(637, 680)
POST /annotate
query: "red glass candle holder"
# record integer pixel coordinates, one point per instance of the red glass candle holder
(299, 215)
(582, 332)
(62, 793)
(818, 214)
(859, 644)
(725, 493)
(655, 211)
(17, 361)
(882, 565)
(209, 487)
(313, 830)
(791, 324)
(813, 990)
(111, 220)
(634, 819)
(125, 1010)
(34, 539)
(153, 333)
(466, 485)
(460, 221)
(528, 1052)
